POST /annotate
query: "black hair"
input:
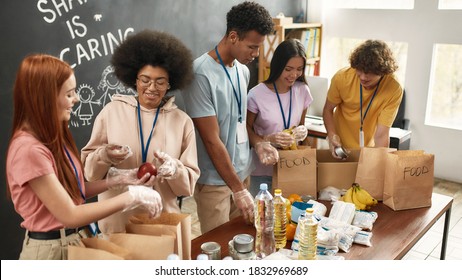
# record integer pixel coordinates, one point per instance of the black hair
(283, 53)
(248, 16)
(157, 49)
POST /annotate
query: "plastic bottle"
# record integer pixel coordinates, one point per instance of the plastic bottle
(280, 219)
(264, 223)
(308, 236)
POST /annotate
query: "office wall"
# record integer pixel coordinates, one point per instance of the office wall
(84, 33)
(421, 28)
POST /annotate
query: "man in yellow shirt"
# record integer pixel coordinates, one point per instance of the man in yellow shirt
(363, 99)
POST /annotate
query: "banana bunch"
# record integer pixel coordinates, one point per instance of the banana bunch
(294, 144)
(359, 197)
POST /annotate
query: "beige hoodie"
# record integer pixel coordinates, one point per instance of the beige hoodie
(117, 123)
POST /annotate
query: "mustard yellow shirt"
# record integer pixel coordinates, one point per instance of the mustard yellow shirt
(344, 92)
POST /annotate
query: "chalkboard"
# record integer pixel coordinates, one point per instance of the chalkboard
(84, 33)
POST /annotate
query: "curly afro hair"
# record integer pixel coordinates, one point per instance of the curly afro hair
(157, 49)
(249, 16)
(373, 56)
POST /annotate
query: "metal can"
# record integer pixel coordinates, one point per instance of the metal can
(341, 152)
(212, 249)
(241, 247)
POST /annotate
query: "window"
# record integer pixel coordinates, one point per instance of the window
(444, 104)
(339, 50)
(450, 4)
(372, 4)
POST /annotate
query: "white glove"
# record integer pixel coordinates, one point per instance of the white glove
(146, 198)
(334, 142)
(245, 202)
(299, 133)
(119, 179)
(267, 154)
(168, 166)
(114, 154)
(282, 139)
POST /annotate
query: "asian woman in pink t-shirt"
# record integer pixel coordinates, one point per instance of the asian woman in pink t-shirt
(280, 102)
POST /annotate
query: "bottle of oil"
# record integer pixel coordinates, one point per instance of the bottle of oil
(280, 219)
(264, 223)
(308, 236)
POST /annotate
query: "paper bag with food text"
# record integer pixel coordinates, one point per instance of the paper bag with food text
(145, 247)
(296, 172)
(370, 174)
(177, 225)
(409, 177)
(97, 249)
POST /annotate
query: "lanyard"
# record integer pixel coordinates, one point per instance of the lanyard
(286, 125)
(370, 102)
(238, 99)
(75, 171)
(92, 226)
(144, 150)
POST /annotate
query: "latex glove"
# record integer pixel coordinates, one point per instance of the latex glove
(334, 142)
(114, 154)
(119, 179)
(282, 139)
(245, 202)
(267, 154)
(167, 166)
(141, 196)
(299, 133)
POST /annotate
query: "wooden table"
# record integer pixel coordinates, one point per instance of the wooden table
(394, 232)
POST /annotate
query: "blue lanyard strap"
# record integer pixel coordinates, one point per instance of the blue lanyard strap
(76, 173)
(144, 150)
(238, 98)
(370, 102)
(286, 125)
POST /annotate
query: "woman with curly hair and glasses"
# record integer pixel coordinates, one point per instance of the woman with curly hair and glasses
(149, 127)
(45, 178)
(365, 96)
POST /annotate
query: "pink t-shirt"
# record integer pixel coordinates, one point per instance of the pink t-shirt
(29, 159)
(264, 103)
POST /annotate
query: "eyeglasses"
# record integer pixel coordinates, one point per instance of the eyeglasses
(159, 83)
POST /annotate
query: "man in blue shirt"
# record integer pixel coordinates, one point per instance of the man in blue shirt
(217, 104)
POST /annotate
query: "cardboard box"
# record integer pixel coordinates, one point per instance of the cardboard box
(334, 172)
(283, 20)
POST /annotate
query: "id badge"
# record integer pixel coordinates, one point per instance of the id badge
(361, 138)
(241, 133)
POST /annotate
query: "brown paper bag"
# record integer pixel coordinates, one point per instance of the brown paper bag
(296, 172)
(177, 225)
(409, 177)
(97, 249)
(145, 247)
(370, 174)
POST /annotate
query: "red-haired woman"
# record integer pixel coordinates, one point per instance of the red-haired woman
(43, 167)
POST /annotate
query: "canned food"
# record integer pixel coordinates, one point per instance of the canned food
(243, 243)
(212, 250)
(341, 152)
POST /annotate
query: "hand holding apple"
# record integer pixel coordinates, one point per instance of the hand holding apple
(146, 167)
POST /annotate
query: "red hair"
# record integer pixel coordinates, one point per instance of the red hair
(36, 89)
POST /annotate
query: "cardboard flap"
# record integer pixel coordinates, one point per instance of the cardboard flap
(337, 173)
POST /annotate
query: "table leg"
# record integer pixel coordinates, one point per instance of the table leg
(447, 219)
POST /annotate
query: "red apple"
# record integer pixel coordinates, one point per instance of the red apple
(146, 167)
